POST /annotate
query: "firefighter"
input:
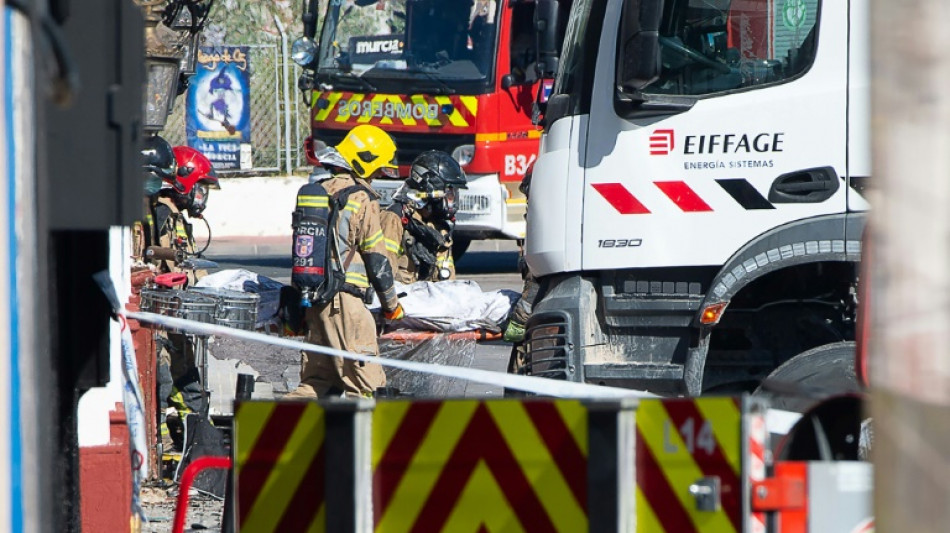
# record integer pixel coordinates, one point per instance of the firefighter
(521, 310)
(340, 319)
(418, 225)
(177, 182)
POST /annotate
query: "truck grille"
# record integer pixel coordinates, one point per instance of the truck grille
(547, 352)
(408, 145)
(474, 204)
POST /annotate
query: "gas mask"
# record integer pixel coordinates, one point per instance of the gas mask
(450, 203)
(442, 204)
(198, 200)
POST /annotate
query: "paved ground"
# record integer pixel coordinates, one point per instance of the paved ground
(493, 264)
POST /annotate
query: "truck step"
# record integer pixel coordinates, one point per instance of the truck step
(655, 377)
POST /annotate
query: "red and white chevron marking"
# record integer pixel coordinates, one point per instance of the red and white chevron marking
(620, 198)
(682, 196)
(758, 444)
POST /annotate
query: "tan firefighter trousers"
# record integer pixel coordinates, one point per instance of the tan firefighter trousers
(345, 324)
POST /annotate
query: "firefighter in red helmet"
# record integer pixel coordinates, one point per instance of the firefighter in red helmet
(193, 180)
(177, 184)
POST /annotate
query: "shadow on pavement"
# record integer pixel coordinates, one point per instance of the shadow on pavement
(250, 261)
(487, 263)
(471, 263)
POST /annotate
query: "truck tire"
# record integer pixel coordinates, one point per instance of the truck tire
(811, 376)
(833, 430)
(459, 247)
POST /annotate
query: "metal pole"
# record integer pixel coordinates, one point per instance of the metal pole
(277, 107)
(910, 311)
(285, 60)
(297, 139)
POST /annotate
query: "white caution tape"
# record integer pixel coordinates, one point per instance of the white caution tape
(532, 384)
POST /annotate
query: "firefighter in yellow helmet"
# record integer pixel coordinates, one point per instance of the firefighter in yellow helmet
(338, 316)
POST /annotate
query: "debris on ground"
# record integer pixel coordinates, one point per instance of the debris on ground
(205, 513)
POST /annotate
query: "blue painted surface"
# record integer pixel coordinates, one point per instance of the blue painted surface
(16, 448)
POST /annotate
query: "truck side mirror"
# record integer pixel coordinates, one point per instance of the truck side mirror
(546, 32)
(638, 63)
(512, 79)
(310, 10)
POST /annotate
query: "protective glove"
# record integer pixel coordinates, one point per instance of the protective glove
(514, 332)
(396, 314)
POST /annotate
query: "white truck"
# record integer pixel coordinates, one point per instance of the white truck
(696, 208)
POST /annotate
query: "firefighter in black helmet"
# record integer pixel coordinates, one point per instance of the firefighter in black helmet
(418, 225)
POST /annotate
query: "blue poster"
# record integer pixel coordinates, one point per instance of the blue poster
(218, 116)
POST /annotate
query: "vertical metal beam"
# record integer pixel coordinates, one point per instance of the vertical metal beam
(277, 106)
(610, 465)
(910, 349)
(297, 139)
(349, 480)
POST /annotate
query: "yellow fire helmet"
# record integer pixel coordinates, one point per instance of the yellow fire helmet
(369, 149)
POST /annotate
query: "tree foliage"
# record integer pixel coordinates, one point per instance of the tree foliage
(252, 21)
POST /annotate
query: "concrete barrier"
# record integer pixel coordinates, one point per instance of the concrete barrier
(253, 207)
(256, 212)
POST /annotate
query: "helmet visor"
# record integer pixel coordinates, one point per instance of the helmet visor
(451, 199)
(153, 183)
(211, 179)
(391, 169)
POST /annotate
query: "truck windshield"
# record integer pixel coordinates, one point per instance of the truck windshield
(710, 46)
(427, 43)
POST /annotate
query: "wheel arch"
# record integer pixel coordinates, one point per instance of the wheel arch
(825, 239)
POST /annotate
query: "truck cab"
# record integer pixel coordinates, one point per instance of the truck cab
(453, 75)
(696, 208)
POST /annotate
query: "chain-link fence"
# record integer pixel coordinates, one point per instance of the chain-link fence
(276, 136)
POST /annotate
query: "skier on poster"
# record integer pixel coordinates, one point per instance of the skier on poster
(218, 111)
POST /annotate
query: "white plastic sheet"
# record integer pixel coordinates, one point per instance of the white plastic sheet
(457, 305)
(440, 349)
(242, 280)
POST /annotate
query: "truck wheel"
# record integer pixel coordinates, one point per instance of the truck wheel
(830, 431)
(459, 247)
(811, 376)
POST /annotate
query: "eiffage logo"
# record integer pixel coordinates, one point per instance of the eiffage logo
(661, 142)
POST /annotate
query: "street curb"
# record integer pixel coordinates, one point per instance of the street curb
(234, 245)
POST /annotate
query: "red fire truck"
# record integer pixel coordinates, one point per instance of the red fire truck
(460, 76)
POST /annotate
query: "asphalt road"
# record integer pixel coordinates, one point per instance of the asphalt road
(492, 264)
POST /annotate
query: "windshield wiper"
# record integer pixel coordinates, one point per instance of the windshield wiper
(444, 88)
(349, 76)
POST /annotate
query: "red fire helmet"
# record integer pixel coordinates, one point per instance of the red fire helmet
(193, 167)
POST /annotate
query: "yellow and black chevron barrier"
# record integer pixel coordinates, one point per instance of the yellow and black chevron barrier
(447, 113)
(492, 465)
